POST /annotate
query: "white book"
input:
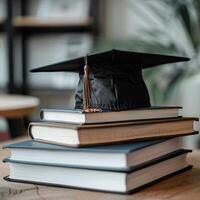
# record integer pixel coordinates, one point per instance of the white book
(119, 157)
(79, 117)
(110, 181)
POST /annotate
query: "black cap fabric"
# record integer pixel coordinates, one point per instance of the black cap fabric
(144, 60)
(113, 79)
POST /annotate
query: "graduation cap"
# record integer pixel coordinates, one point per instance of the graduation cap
(111, 80)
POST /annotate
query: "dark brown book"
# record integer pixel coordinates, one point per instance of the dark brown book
(85, 135)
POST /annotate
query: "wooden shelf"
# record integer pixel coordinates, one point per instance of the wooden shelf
(36, 24)
(46, 22)
(24, 25)
(45, 25)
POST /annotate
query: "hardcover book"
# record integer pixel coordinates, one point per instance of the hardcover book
(118, 157)
(81, 117)
(88, 135)
(110, 181)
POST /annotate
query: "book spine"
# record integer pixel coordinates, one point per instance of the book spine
(29, 131)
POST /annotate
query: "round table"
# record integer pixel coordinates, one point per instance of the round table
(14, 108)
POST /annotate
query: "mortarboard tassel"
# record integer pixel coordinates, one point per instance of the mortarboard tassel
(87, 90)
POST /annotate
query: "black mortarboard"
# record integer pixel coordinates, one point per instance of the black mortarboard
(111, 80)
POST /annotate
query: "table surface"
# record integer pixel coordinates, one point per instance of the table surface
(12, 106)
(183, 186)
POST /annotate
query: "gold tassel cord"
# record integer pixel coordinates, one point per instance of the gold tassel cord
(87, 90)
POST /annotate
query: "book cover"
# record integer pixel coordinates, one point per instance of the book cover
(164, 158)
(115, 148)
(110, 133)
(77, 116)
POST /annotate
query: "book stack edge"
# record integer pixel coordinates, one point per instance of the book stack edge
(108, 151)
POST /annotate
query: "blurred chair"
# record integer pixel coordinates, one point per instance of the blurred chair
(14, 108)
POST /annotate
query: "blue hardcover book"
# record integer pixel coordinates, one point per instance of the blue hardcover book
(98, 179)
(119, 157)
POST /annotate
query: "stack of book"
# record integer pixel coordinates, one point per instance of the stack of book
(109, 151)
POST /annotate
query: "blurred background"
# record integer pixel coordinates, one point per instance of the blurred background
(39, 32)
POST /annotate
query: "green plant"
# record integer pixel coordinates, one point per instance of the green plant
(168, 27)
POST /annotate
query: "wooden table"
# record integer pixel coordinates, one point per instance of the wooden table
(14, 108)
(185, 186)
